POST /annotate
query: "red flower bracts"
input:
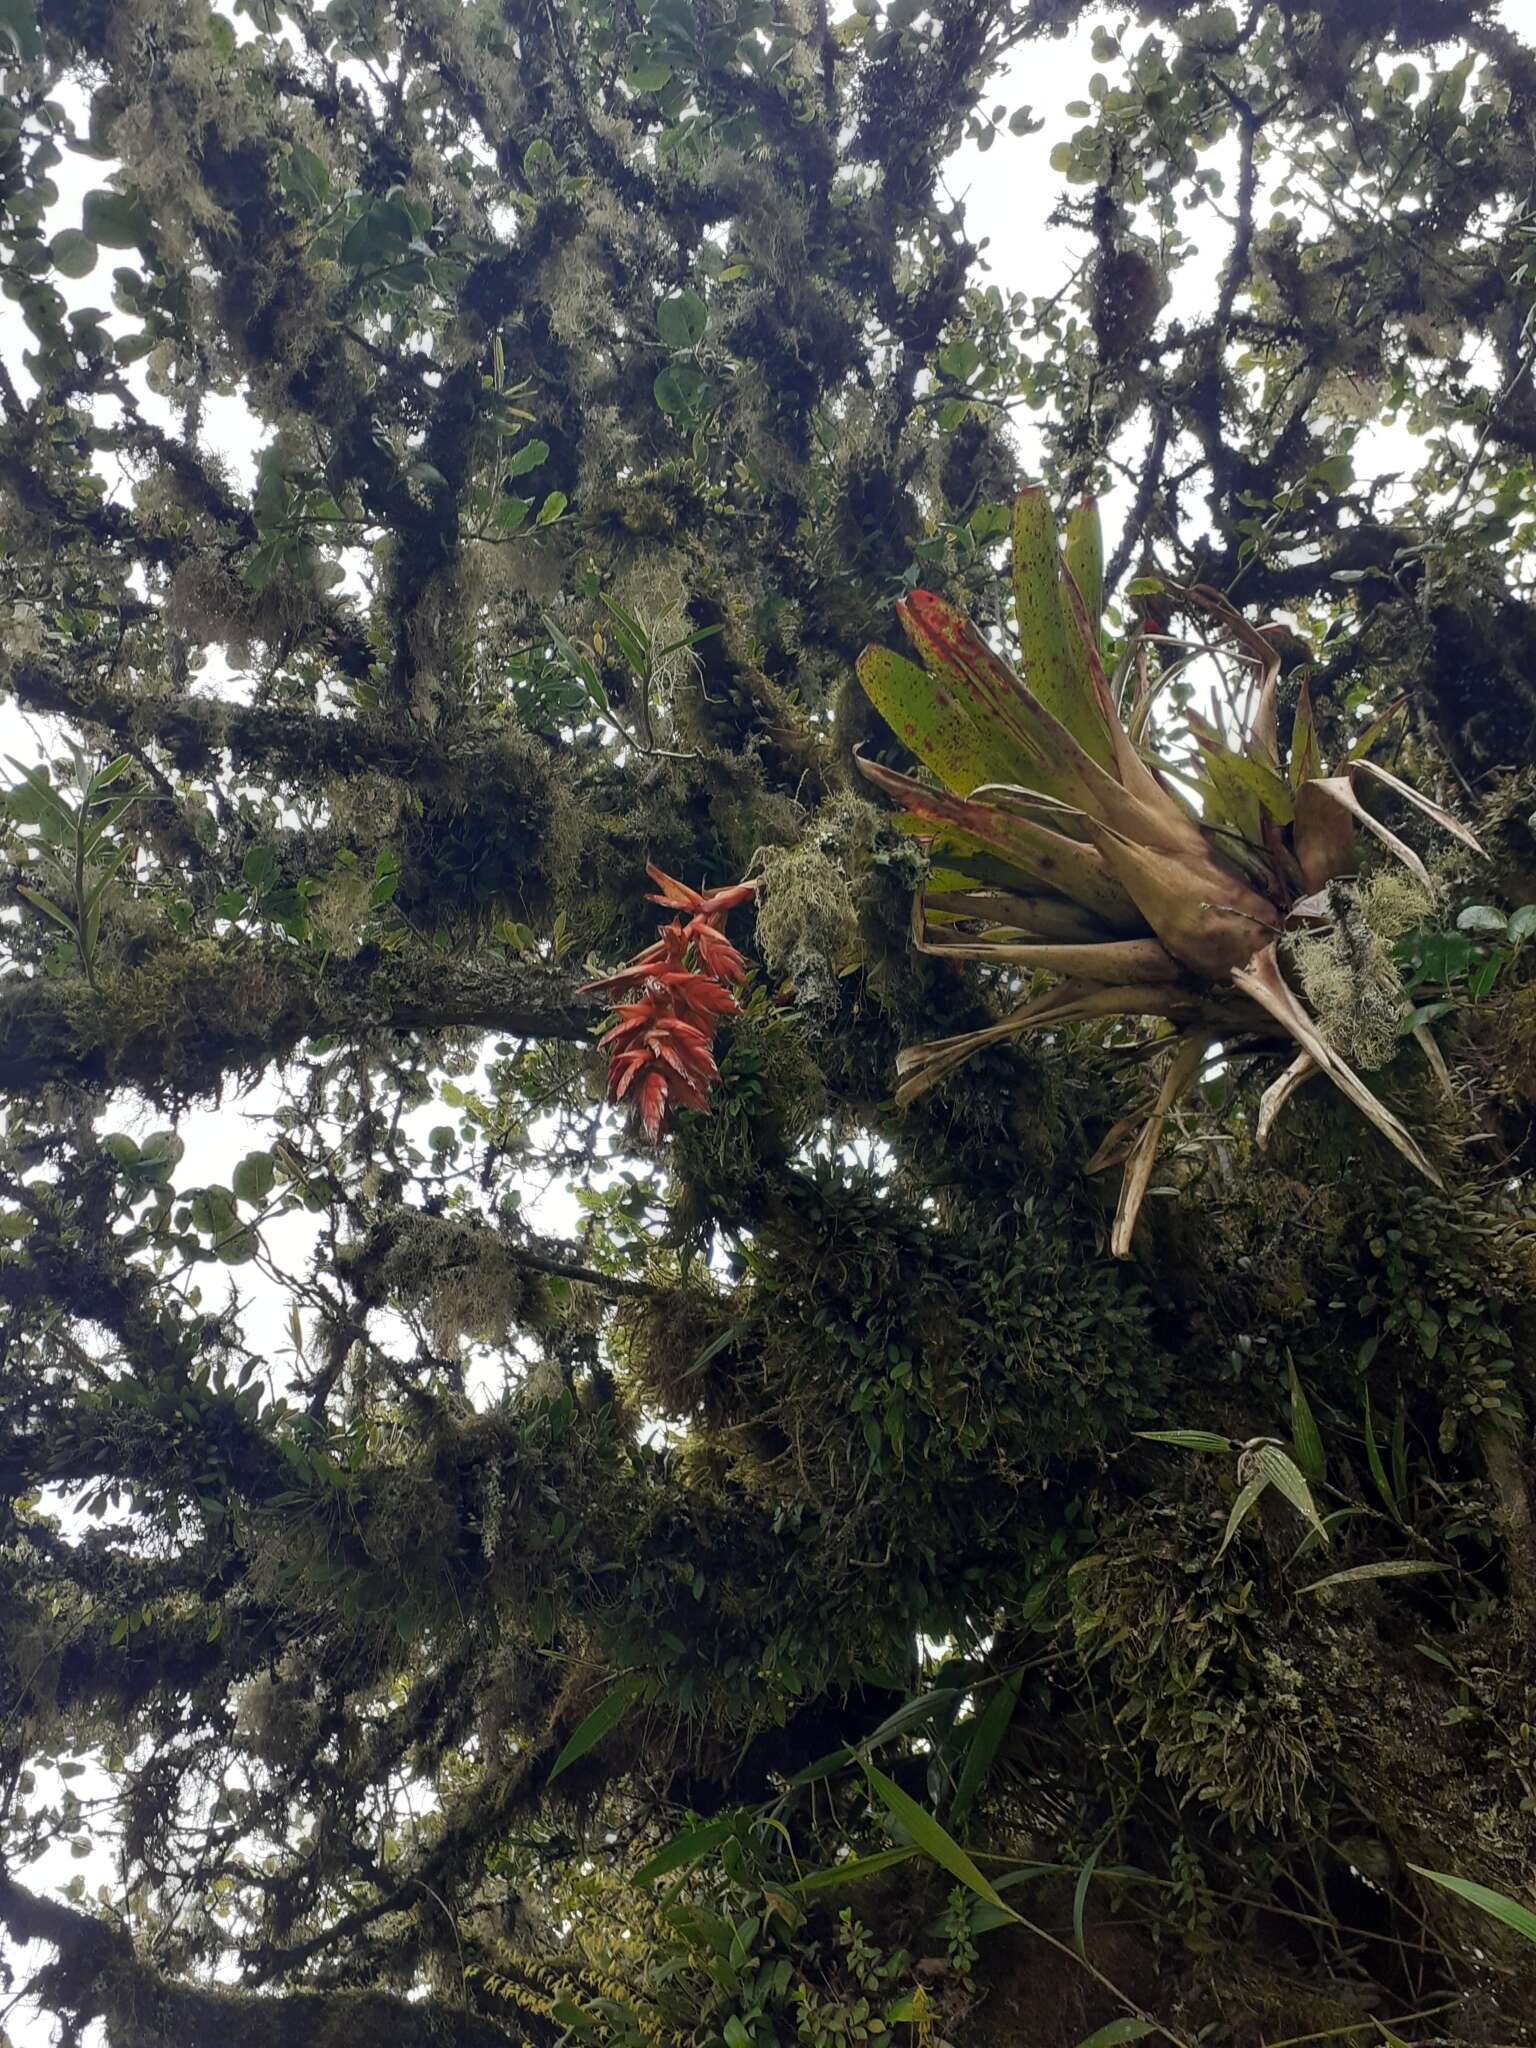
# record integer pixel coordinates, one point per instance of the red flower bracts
(660, 1049)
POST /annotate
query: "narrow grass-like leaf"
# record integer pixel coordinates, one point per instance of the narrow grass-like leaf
(851, 1871)
(1080, 1900)
(1306, 1438)
(910, 1714)
(1118, 2031)
(1399, 1450)
(1389, 1568)
(823, 1767)
(687, 1848)
(47, 905)
(1187, 1439)
(1245, 1501)
(1378, 1471)
(990, 1727)
(1510, 1911)
(1282, 1473)
(598, 1722)
(931, 1838)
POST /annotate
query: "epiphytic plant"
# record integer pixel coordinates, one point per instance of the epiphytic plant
(1064, 843)
(660, 1049)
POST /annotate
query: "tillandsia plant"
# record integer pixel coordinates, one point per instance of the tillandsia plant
(1064, 842)
(661, 1046)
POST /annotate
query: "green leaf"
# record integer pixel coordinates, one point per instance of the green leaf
(1510, 1911)
(1052, 672)
(259, 868)
(113, 220)
(1481, 917)
(991, 1726)
(1427, 1013)
(305, 174)
(47, 905)
(18, 27)
(681, 321)
(1241, 1507)
(1305, 1435)
(551, 509)
(852, 1870)
(687, 1848)
(538, 156)
(961, 360)
(1389, 1568)
(680, 390)
(1084, 553)
(598, 1722)
(1117, 2031)
(648, 77)
(1378, 1471)
(1080, 1900)
(529, 456)
(1187, 1439)
(910, 1714)
(1282, 1473)
(932, 1839)
(252, 1179)
(1522, 924)
(937, 725)
(1399, 1450)
(73, 254)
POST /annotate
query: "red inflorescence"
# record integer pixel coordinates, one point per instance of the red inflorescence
(661, 1047)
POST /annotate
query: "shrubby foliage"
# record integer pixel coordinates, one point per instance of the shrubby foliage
(468, 1573)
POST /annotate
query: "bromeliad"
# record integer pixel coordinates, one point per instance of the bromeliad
(660, 1046)
(1058, 831)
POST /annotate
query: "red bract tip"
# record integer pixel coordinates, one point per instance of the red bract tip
(660, 1044)
(676, 895)
(717, 956)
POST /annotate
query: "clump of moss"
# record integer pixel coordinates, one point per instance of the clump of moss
(1347, 972)
(807, 927)
(468, 1285)
(339, 912)
(1227, 1715)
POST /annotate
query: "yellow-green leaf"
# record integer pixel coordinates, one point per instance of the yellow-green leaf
(1085, 555)
(1306, 757)
(990, 1727)
(598, 1722)
(932, 1839)
(687, 1848)
(933, 721)
(1306, 1438)
(1054, 677)
(1510, 1911)
(852, 1870)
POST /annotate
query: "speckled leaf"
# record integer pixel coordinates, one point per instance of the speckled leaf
(1050, 671)
(935, 723)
